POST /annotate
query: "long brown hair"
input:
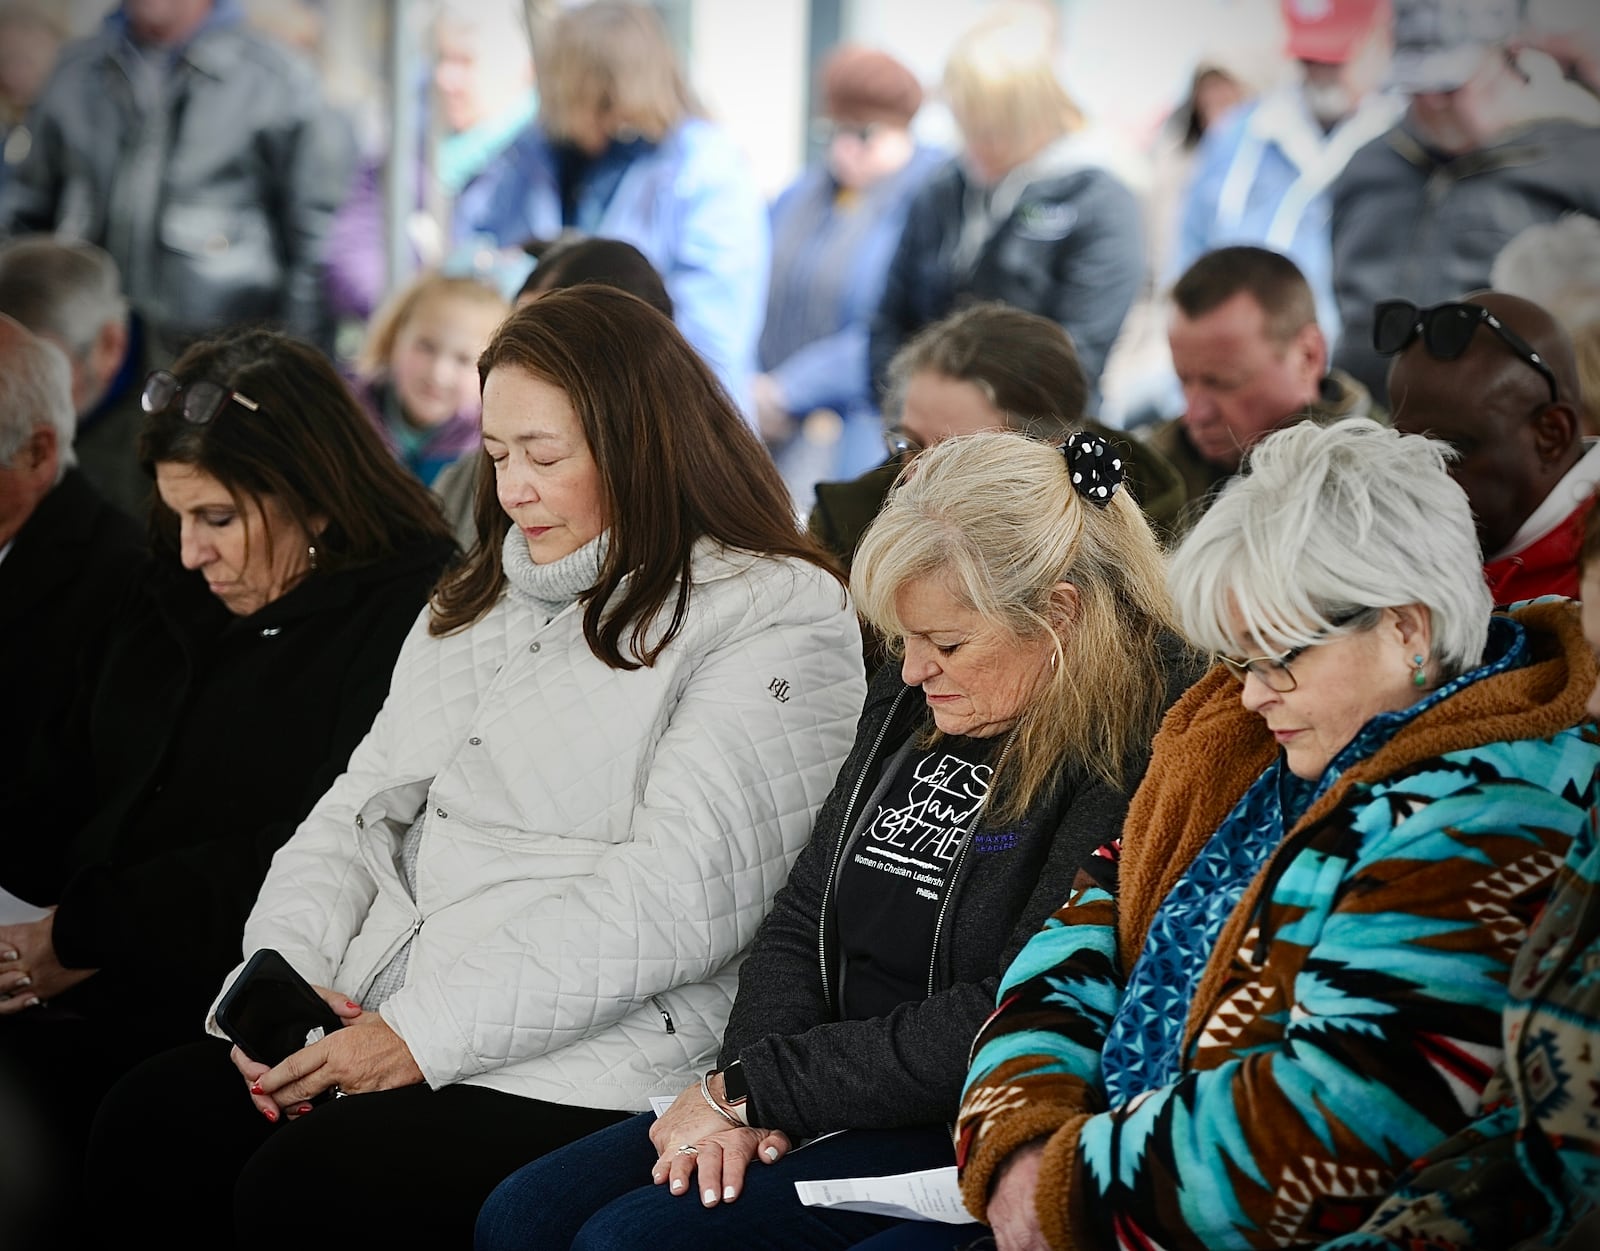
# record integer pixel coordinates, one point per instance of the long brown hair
(677, 463)
(307, 444)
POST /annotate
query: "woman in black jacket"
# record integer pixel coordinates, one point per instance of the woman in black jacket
(291, 556)
(1024, 592)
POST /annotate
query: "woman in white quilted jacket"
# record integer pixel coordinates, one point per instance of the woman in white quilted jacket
(603, 745)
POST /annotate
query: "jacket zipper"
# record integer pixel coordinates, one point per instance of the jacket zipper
(666, 1016)
(844, 837)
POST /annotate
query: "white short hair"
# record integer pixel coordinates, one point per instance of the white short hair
(35, 391)
(1327, 521)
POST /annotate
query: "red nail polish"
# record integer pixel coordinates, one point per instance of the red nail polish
(255, 1088)
(303, 1108)
(349, 1004)
(271, 1114)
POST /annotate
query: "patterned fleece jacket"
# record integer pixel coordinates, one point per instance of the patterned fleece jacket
(1349, 1016)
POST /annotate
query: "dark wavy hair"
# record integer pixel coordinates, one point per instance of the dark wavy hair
(307, 445)
(677, 463)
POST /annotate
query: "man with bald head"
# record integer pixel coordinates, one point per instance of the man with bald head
(1494, 376)
(65, 554)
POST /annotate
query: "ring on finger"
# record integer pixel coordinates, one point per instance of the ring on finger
(686, 1149)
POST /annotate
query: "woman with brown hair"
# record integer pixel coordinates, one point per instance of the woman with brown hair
(527, 895)
(291, 555)
(1022, 589)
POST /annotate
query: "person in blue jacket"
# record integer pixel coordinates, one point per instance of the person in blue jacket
(834, 230)
(1038, 211)
(621, 149)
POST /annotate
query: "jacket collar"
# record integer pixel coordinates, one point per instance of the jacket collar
(194, 613)
(1210, 749)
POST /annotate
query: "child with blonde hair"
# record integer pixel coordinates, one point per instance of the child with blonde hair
(418, 371)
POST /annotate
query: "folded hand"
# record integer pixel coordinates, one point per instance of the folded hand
(718, 1162)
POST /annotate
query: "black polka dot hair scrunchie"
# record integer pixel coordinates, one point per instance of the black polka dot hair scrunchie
(1095, 466)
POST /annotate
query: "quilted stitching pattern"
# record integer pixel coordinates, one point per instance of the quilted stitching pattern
(593, 838)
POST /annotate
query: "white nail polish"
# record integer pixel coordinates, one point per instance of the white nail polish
(772, 1155)
(709, 1197)
(677, 1185)
(727, 1194)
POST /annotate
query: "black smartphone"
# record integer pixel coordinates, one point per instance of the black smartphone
(271, 1012)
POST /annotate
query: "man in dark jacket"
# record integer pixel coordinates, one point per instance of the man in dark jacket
(1247, 348)
(1509, 402)
(68, 292)
(1491, 144)
(200, 155)
(64, 552)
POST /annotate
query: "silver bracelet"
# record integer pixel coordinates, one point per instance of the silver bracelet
(705, 1093)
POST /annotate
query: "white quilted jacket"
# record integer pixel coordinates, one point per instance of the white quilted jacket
(600, 845)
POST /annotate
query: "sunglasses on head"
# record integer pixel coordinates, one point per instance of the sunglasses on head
(1446, 331)
(202, 400)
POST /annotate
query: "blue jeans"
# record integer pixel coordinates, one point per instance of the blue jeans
(596, 1194)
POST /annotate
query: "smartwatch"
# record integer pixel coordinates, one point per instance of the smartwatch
(734, 1089)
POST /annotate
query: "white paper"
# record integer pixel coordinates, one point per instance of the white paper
(14, 911)
(931, 1195)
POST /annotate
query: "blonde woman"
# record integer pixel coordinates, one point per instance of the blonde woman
(1023, 589)
(418, 377)
(621, 149)
(1036, 211)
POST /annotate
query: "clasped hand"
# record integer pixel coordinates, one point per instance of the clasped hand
(365, 1055)
(721, 1153)
(30, 973)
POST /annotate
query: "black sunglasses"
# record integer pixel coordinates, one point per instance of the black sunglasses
(1446, 330)
(202, 400)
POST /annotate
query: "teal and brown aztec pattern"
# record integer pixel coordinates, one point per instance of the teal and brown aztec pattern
(1357, 1027)
(1528, 1169)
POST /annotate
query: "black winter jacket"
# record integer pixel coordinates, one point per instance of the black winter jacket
(205, 739)
(810, 1072)
(75, 554)
(1072, 250)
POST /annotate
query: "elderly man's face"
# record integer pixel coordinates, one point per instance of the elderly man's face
(1486, 413)
(26, 481)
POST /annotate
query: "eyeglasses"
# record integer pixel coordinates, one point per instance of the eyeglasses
(1273, 671)
(1446, 330)
(202, 400)
(901, 442)
(825, 132)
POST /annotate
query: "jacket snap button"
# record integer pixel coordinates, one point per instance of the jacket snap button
(440, 813)
(475, 741)
(533, 647)
(361, 822)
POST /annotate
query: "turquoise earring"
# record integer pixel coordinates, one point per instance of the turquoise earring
(1419, 676)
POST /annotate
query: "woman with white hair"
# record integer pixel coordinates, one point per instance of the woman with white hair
(1023, 591)
(1344, 831)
